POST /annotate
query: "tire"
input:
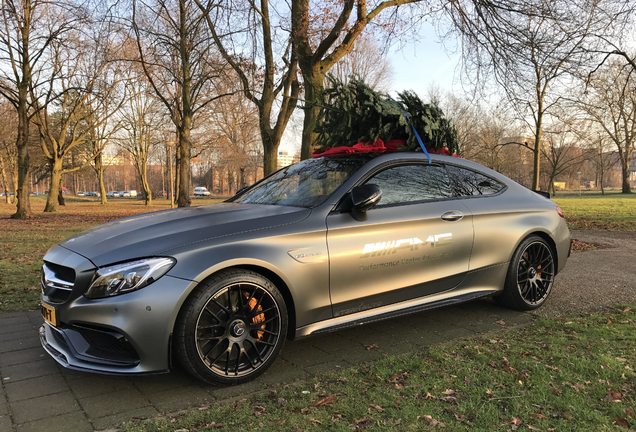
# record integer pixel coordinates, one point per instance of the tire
(231, 328)
(530, 275)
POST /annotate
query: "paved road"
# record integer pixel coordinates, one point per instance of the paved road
(38, 395)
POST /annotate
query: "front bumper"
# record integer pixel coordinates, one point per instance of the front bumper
(125, 334)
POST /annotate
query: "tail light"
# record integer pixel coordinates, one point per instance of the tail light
(560, 212)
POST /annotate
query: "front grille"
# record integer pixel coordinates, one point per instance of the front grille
(57, 282)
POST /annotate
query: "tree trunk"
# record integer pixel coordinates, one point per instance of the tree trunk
(536, 165)
(551, 187)
(183, 192)
(143, 176)
(60, 195)
(171, 176)
(626, 187)
(54, 185)
(5, 182)
(270, 151)
(23, 210)
(602, 175)
(314, 84)
(221, 181)
(14, 183)
(99, 168)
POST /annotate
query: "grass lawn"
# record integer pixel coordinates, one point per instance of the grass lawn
(563, 375)
(612, 211)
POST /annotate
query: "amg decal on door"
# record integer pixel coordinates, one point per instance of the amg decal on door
(391, 246)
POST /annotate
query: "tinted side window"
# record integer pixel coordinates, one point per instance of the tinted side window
(410, 183)
(467, 182)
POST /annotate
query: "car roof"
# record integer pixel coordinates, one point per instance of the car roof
(374, 159)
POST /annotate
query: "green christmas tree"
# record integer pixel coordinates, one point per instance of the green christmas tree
(353, 112)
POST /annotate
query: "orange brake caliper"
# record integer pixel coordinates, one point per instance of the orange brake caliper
(259, 318)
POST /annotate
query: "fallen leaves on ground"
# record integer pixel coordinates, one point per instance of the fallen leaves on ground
(582, 246)
(614, 396)
(398, 379)
(431, 421)
(326, 400)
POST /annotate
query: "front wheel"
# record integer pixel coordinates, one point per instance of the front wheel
(231, 328)
(530, 275)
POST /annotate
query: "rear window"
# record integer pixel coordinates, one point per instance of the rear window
(466, 182)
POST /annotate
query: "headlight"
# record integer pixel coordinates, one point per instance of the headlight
(126, 277)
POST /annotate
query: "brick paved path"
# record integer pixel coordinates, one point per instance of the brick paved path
(39, 395)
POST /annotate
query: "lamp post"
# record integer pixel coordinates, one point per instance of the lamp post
(579, 174)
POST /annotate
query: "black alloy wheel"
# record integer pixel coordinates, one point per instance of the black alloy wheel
(232, 328)
(530, 275)
(535, 273)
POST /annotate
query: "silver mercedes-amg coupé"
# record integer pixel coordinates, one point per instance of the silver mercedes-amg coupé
(320, 245)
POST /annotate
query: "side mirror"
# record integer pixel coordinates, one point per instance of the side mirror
(363, 198)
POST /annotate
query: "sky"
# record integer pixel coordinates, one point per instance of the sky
(425, 62)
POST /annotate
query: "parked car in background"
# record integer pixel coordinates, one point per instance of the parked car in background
(201, 191)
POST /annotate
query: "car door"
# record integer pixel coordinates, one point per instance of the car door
(416, 242)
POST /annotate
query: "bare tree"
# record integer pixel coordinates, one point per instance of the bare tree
(234, 141)
(484, 133)
(28, 29)
(319, 51)
(468, 118)
(140, 121)
(528, 48)
(563, 151)
(614, 40)
(366, 61)
(175, 50)
(8, 151)
(73, 103)
(247, 36)
(611, 104)
(100, 132)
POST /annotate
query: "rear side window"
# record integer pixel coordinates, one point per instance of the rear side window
(405, 184)
(466, 182)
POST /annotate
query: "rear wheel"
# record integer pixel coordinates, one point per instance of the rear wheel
(530, 275)
(231, 328)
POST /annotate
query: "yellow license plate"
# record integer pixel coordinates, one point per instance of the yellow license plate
(48, 312)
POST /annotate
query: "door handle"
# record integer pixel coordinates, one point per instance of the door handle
(452, 216)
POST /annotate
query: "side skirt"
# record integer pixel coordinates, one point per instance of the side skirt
(353, 320)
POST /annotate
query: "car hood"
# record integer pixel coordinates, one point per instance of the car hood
(153, 234)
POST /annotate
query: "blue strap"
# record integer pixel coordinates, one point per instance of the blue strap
(417, 136)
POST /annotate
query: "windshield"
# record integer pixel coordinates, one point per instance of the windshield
(305, 184)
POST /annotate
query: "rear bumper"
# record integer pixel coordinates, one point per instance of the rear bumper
(563, 242)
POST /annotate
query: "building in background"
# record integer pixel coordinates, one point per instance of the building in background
(286, 158)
